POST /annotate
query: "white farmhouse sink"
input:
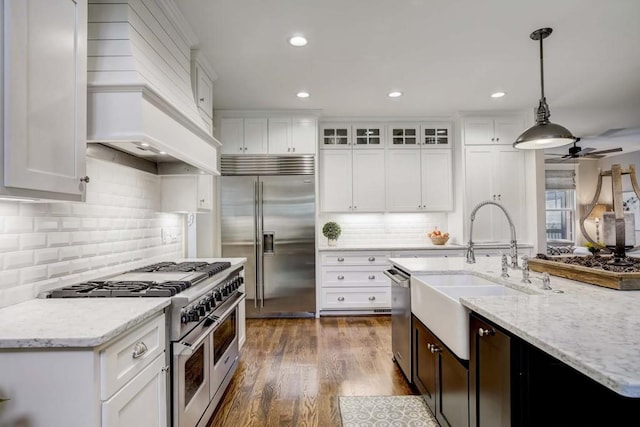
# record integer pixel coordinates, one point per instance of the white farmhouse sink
(435, 300)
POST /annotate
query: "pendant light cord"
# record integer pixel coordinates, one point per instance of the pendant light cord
(542, 116)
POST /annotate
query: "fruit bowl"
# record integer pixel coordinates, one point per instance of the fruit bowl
(439, 240)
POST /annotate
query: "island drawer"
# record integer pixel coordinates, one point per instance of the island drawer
(355, 258)
(354, 276)
(355, 298)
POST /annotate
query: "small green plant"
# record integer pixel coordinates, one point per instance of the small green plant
(594, 249)
(331, 230)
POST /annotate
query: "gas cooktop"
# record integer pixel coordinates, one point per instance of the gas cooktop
(164, 279)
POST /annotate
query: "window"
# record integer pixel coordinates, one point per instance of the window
(560, 204)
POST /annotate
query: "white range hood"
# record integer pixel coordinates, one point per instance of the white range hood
(139, 85)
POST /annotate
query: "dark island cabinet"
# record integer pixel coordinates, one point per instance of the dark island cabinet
(514, 383)
(440, 377)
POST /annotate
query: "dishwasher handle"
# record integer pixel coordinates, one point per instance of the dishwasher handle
(397, 277)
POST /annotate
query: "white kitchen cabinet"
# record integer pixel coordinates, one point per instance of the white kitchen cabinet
(202, 78)
(292, 135)
(423, 135)
(419, 180)
(492, 130)
(44, 93)
(243, 135)
(354, 281)
(187, 193)
(368, 135)
(352, 181)
(495, 173)
(121, 383)
(335, 135)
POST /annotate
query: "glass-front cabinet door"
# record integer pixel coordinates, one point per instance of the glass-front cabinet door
(403, 135)
(334, 135)
(368, 135)
(435, 136)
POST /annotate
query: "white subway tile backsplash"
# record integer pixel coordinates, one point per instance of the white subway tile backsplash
(47, 245)
(33, 241)
(9, 242)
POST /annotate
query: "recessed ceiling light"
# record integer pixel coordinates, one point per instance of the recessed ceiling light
(302, 94)
(163, 152)
(144, 144)
(394, 94)
(498, 94)
(298, 41)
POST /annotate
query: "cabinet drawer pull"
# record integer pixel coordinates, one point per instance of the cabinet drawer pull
(341, 277)
(371, 277)
(139, 349)
(429, 346)
(85, 179)
(434, 349)
(372, 258)
(201, 99)
(372, 298)
(486, 332)
(340, 259)
(340, 298)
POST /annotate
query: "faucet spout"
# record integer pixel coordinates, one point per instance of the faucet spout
(513, 244)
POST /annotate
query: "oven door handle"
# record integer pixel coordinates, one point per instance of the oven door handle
(239, 297)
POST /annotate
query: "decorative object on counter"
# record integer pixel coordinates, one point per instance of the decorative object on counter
(592, 270)
(437, 237)
(513, 244)
(596, 215)
(618, 223)
(543, 134)
(331, 230)
(594, 248)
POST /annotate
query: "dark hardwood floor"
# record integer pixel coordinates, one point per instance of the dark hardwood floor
(292, 371)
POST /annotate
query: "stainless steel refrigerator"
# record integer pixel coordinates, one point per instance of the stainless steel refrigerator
(268, 216)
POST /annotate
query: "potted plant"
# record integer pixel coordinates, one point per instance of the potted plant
(594, 249)
(331, 230)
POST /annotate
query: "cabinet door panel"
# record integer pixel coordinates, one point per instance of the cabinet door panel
(255, 136)
(368, 181)
(509, 165)
(507, 130)
(425, 364)
(478, 131)
(479, 172)
(204, 92)
(453, 405)
(335, 180)
(437, 187)
(303, 135)
(45, 94)
(403, 180)
(232, 136)
(279, 135)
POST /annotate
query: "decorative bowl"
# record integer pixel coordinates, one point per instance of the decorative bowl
(439, 240)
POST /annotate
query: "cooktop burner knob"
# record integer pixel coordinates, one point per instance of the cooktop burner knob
(218, 295)
(184, 317)
(225, 291)
(202, 310)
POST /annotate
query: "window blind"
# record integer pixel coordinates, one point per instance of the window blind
(559, 179)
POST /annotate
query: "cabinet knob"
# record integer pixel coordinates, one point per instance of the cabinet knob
(139, 349)
(241, 148)
(499, 196)
(341, 277)
(435, 349)
(85, 179)
(372, 258)
(355, 207)
(493, 139)
(201, 99)
(340, 298)
(340, 259)
(294, 149)
(486, 332)
(372, 298)
(202, 201)
(371, 277)
(424, 206)
(288, 149)
(429, 346)
(497, 139)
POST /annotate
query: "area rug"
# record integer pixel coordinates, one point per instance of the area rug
(385, 411)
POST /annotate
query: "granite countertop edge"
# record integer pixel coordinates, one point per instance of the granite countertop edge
(416, 247)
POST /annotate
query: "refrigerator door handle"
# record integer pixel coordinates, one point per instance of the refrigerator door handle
(268, 238)
(262, 248)
(256, 241)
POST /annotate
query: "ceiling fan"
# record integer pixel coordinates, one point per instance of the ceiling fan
(577, 152)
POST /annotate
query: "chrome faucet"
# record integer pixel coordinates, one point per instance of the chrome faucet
(504, 265)
(513, 245)
(525, 270)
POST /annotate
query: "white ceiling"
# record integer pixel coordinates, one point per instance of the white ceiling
(447, 56)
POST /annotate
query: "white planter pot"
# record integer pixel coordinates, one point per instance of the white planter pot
(332, 242)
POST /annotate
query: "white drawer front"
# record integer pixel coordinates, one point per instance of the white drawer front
(354, 258)
(338, 277)
(355, 298)
(128, 356)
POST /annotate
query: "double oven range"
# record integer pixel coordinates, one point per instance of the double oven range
(203, 322)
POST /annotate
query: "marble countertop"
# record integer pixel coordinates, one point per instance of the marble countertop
(413, 246)
(81, 322)
(595, 330)
(73, 322)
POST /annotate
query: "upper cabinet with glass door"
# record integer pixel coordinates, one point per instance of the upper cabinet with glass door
(417, 135)
(351, 135)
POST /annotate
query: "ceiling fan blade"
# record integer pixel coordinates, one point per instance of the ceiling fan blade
(584, 151)
(611, 150)
(563, 159)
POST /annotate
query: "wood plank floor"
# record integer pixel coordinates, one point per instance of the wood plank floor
(292, 371)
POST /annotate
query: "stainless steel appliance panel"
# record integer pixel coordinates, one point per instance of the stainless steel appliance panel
(401, 320)
(239, 226)
(287, 205)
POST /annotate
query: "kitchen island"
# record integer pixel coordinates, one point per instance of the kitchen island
(592, 329)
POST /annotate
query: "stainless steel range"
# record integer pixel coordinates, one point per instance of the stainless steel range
(203, 326)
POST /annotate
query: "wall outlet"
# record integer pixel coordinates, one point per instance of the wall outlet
(168, 235)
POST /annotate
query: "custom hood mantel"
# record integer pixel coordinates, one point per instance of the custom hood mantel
(140, 98)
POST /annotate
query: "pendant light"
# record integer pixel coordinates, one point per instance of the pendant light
(543, 134)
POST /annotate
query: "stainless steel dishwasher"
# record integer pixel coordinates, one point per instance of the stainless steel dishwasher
(401, 319)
